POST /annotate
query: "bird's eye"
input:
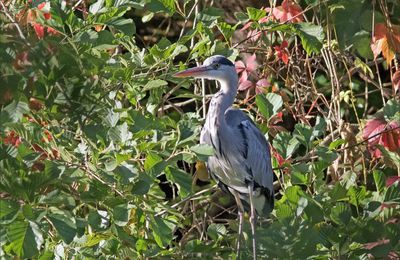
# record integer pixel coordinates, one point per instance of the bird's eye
(216, 65)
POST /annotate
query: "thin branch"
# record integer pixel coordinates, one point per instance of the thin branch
(21, 34)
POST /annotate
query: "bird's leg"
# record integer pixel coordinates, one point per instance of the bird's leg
(252, 221)
(240, 213)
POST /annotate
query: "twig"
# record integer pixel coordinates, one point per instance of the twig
(21, 34)
(186, 199)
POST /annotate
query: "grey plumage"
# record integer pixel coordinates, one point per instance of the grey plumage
(242, 157)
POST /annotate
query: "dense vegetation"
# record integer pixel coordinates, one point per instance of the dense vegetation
(99, 154)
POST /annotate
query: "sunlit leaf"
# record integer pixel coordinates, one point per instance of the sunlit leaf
(25, 237)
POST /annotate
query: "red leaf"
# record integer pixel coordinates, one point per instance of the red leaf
(13, 139)
(289, 11)
(55, 154)
(39, 30)
(47, 16)
(246, 26)
(38, 166)
(261, 85)
(245, 69)
(378, 131)
(240, 66)
(21, 61)
(371, 245)
(35, 104)
(52, 31)
(279, 158)
(47, 136)
(372, 128)
(385, 41)
(391, 180)
(245, 85)
(38, 149)
(251, 63)
(282, 52)
(45, 8)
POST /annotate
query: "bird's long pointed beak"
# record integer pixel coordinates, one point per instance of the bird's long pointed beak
(192, 72)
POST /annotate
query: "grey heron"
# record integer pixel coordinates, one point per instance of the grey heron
(241, 163)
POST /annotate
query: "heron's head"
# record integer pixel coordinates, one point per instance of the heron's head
(215, 67)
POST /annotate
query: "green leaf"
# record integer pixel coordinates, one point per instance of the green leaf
(227, 30)
(292, 194)
(216, 231)
(181, 178)
(112, 118)
(299, 178)
(341, 213)
(104, 41)
(392, 110)
(153, 84)
(202, 149)
(25, 237)
(393, 156)
(89, 36)
(357, 195)
(325, 154)
(154, 164)
(96, 7)
(338, 192)
(320, 127)
(65, 226)
(151, 160)
(304, 134)
(210, 15)
(147, 17)
(380, 180)
(142, 186)
(392, 193)
(284, 212)
(311, 36)
(314, 212)
(169, 4)
(8, 211)
(15, 110)
(99, 220)
(162, 231)
(362, 44)
(301, 205)
(255, 14)
(127, 173)
(121, 214)
(285, 144)
(335, 144)
(126, 26)
(95, 238)
(120, 133)
(269, 104)
(275, 100)
(242, 17)
(156, 6)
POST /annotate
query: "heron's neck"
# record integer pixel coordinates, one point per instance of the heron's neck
(221, 101)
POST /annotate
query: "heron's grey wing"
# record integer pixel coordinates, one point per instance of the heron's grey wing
(255, 152)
